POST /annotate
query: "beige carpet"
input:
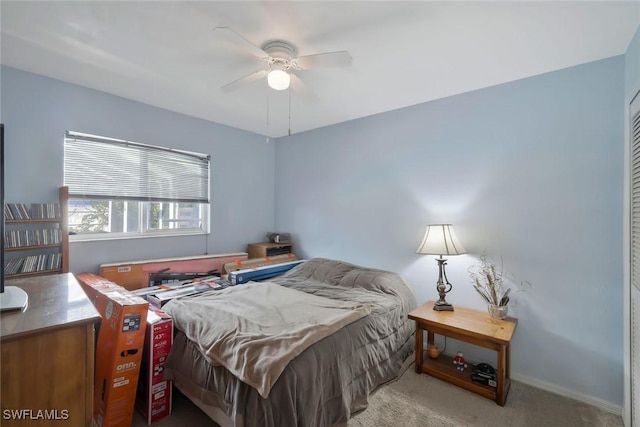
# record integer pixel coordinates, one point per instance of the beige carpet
(419, 400)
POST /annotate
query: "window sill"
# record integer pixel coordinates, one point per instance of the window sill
(80, 238)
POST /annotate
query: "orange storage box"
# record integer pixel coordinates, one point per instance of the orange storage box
(118, 349)
(135, 274)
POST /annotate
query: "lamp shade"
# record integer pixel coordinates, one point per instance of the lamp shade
(440, 239)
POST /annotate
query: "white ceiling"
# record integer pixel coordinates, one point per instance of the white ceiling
(167, 54)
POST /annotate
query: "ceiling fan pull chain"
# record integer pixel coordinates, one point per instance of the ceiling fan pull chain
(289, 110)
(267, 116)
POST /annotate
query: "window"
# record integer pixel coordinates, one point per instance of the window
(125, 189)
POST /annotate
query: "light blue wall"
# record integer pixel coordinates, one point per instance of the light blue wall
(632, 88)
(530, 171)
(37, 111)
(632, 66)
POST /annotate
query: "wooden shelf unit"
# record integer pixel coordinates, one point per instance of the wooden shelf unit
(30, 224)
(443, 368)
(267, 249)
(471, 326)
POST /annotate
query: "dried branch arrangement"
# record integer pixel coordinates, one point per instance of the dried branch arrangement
(489, 281)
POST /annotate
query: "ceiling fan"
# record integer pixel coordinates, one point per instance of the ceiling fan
(281, 62)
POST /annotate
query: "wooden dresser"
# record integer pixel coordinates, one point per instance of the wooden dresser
(48, 354)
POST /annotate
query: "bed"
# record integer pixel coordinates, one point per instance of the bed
(231, 360)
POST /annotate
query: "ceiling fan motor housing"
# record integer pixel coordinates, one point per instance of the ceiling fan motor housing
(280, 49)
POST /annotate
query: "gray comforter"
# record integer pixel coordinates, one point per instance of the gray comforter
(255, 330)
(332, 378)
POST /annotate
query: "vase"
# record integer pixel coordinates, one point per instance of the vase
(498, 311)
(433, 351)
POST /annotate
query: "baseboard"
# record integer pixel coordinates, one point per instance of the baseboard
(594, 401)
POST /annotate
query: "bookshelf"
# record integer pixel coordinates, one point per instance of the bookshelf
(36, 237)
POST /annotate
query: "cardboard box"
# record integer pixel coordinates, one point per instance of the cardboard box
(240, 264)
(135, 274)
(261, 273)
(151, 290)
(154, 393)
(160, 298)
(118, 349)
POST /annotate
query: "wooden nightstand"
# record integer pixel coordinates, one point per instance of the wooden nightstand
(472, 326)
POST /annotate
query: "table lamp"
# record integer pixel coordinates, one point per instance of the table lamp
(440, 239)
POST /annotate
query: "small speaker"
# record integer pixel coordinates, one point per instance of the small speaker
(279, 237)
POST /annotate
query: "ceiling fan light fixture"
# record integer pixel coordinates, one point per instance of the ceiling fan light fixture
(278, 79)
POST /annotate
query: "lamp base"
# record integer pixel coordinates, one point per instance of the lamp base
(442, 306)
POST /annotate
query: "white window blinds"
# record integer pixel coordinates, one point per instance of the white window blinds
(103, 168)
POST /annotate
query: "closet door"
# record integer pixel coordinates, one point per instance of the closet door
(635, 356)
(634, 298)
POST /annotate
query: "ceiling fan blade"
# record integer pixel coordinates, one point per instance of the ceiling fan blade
(301, 88)
(243, 81)
(227, 34)
(331, 59)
